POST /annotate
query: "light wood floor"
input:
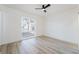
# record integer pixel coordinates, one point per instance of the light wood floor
(39, 45)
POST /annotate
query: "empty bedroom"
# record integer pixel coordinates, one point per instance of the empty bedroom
(39, 29)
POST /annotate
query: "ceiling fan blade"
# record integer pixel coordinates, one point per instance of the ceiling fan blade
(38, 8)
(46, 6)
(43, 7)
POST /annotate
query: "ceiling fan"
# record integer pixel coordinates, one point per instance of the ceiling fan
(44, 7)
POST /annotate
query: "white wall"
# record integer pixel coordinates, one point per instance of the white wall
(63, 25)
(0, 28)
(12, 24)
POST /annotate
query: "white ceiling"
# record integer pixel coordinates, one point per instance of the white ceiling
(52, 9)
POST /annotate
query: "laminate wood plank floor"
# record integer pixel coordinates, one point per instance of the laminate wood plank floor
(39, 45)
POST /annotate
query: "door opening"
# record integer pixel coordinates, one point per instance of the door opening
(28, 27)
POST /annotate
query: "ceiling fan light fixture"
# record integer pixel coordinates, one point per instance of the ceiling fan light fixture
(43, 9)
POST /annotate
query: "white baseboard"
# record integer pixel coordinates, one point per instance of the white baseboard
(3, 43)
(62, 40)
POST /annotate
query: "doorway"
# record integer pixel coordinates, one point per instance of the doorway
(28, 27)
